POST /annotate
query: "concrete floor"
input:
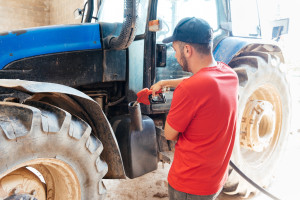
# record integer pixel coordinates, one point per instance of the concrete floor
(147, 187)
(153, 186)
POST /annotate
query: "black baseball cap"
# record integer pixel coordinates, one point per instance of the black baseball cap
(191, 30)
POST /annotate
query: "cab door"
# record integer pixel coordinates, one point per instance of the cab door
(170, 12)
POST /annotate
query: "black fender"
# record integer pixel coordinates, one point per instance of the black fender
(75, 101)
(231, 47)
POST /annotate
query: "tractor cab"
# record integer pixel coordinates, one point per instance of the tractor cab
(148, 59)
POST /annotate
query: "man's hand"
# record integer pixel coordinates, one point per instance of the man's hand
(156, 87)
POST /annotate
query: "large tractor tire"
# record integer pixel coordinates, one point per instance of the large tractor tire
(45, 153)
(263, 120)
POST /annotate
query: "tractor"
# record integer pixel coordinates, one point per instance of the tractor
(66, 91)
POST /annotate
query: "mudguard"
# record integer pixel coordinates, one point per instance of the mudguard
(101, 127)
(230, 47)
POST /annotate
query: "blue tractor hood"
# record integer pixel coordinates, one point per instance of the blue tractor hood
(16, 45)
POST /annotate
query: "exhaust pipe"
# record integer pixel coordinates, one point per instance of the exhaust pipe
(89, 12)
(128, 29)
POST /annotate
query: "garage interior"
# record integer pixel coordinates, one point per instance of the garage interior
(16, 14)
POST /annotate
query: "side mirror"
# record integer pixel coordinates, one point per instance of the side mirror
(280, 27)
(78, 13)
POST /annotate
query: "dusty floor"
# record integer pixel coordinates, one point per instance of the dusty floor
(153, 186)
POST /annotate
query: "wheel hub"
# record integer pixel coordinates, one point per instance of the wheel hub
(22, 184)
(257, 126)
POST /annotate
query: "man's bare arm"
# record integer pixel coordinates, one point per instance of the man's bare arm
(170, 133)
(171, 83)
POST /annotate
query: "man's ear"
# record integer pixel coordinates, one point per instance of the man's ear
(188, 50)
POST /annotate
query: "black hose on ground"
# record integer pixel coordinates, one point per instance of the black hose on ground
(251, 181)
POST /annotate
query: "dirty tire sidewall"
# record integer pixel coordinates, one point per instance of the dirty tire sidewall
(39, 131)
(270, 75)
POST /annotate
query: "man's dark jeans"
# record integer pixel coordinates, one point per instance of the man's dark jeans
(177, 195)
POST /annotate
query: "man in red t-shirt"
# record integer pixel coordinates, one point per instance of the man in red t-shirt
(203, 114)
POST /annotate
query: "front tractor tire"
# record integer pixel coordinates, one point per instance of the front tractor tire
(58, 147)
(263, 120)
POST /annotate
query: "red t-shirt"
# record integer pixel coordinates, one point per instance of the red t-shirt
(204, 111)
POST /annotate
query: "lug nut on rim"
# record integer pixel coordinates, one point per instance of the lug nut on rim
(257, 126)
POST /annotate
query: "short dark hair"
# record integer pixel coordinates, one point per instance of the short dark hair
(205, 49)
